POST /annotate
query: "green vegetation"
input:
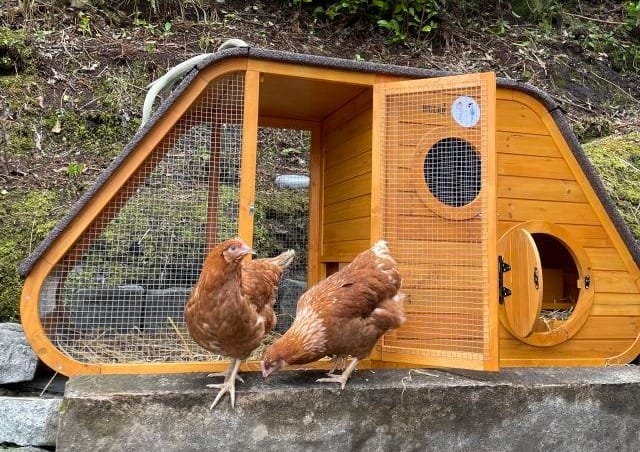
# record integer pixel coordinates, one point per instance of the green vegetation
(632, 9)
(25, 219)
(400, 17)
(617, 159)
(16, 52)
(73, 78)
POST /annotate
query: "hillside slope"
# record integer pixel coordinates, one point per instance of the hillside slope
(72, 80)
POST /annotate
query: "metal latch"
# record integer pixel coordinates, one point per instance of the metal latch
(252, 209)
(503, 291)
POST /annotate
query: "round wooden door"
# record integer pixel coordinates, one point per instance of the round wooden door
(522, 279)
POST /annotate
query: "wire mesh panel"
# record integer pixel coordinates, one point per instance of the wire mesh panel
(119, 294)
(434, 146)
(282, 210)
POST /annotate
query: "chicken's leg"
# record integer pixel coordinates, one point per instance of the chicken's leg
(229, 384)
(338, 362)
(342, 379)
(225, 374)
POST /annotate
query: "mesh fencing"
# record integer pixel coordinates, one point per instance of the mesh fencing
(434, 160)
(119, 295)
(282, 210)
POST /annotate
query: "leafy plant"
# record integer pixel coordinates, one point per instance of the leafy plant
(75, 169)
(84, 25)
(401, 18)
(632, 9)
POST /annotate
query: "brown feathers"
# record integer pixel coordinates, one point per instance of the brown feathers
(345, 314)
(231, 306)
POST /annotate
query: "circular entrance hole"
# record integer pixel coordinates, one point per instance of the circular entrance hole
(452, 171)
(560, 275)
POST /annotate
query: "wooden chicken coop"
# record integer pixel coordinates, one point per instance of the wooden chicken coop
(510, 249)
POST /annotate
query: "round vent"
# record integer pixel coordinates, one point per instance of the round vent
(452, 171)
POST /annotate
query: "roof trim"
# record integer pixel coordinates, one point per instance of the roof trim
(357, 66)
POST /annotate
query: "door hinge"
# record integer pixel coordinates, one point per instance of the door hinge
(503, 267)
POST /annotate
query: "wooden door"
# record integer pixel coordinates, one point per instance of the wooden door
(521, 281)
(433, 198)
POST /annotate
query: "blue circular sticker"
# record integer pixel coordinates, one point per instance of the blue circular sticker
(465, 111)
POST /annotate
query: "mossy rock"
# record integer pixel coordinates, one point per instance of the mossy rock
(15, 51)
(25, 219)
(590, 128)
(617, 159)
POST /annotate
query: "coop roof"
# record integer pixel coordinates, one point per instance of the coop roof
(550, 104)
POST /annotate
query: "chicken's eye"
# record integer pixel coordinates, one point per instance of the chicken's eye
(233, 248)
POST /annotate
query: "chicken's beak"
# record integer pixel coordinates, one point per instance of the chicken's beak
(249, 250)
(266, 371)
(246, 249)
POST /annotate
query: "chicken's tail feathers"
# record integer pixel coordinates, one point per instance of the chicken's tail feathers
(284, 259)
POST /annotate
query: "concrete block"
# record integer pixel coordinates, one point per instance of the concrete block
(18, 362)
(29, 421)
(161, 304)
(111, 308)
(382, 410)
(27, 449)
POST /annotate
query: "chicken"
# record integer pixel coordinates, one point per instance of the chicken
(343, 315)
(231, 306)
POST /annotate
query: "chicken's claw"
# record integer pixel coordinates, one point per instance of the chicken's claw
(334, 379)
(229, 384)
(342, 379)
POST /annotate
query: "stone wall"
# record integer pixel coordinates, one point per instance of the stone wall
(29, 407)
(385, 410)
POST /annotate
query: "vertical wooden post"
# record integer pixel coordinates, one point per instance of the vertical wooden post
(315, 205)
(214, 186)
(249, 151)
(377, 165)
(377, 182)
(492, 356)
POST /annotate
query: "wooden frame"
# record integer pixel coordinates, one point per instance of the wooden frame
(488, 360)
(29, 307)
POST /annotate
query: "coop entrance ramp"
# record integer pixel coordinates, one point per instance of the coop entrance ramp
(435, 143)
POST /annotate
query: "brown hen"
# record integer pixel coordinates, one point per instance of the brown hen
(231, 306)
(343, 315)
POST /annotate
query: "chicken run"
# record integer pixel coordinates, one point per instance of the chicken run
(510, 251)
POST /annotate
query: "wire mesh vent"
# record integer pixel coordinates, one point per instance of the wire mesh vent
(119, 295)
(452, 171)
(434, 155)
(282, 210)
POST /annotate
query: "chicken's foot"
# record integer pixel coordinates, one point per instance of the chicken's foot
(338, 362)
(342, 379)
(229, 384)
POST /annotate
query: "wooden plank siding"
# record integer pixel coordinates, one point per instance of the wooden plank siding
(536, 181)
(346, 219)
